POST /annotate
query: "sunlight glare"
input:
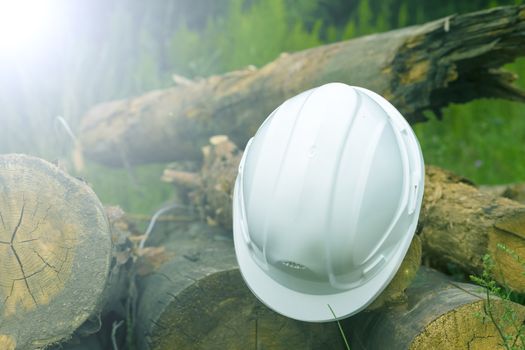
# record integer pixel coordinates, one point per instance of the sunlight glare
(25, 25)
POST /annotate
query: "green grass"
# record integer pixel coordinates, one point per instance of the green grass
(483, 140)
(138, 190)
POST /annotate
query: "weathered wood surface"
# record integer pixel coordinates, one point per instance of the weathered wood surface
(210, 190)
(438, 314)
(55, 253)
(198, 300)
(394, 293)
(514, 191)
(458, 223)
(454, 59)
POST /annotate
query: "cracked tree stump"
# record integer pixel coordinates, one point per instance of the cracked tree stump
(55, 251)
(458, 223)
(198, 299)
(455, 59)
(438, 314)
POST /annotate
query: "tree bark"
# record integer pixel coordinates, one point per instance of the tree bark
(454, 59)
(55, 253)
(438, 314)
(198, 300)
(458, 223)
(514, 191)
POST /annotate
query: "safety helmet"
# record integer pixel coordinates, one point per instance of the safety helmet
(326, 202)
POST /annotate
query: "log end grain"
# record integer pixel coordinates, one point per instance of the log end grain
(55, 251)
(507, 248)
(7, 342)
(467, 327)
(438, 314)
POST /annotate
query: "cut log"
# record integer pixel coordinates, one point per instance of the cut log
(454, 59)
(438, 314)
(458, 223)
(198, 300)
(55, 253)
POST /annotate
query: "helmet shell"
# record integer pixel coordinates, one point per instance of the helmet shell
(326, 202)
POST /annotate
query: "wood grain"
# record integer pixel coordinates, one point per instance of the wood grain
(55, 251)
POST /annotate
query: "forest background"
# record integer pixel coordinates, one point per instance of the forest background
(105, 50)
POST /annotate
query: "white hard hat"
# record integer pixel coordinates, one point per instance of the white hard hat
(326, 202)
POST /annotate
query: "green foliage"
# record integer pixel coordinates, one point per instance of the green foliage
(341, 331)
(403, 17)
(515, 338)
(137, 190)
(249, 36)
(482, 140)
(118, 49)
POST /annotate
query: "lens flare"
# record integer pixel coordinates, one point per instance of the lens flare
(26, 25)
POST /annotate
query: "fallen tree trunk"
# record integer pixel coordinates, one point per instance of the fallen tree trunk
(458, 223)
(454, 59)
(438, 314)
(55, 253)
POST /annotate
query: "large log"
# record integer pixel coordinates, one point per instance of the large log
(198, 300)
(454, 59)
(55, 253)
(458, 223)
(438, 314)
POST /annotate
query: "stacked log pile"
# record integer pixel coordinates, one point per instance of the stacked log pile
(65, 263)
(458, 224)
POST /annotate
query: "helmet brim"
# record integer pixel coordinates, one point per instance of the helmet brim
(311, 307)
